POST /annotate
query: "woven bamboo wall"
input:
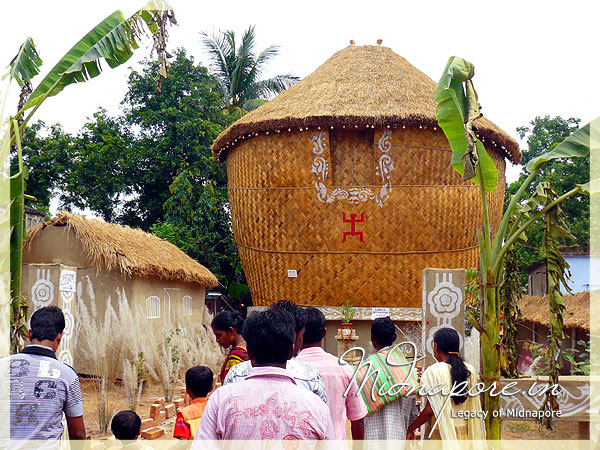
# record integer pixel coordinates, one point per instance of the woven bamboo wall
(287, 213)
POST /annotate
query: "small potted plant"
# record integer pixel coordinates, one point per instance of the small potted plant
(348, 313)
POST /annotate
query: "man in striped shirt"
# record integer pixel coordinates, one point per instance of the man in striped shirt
(42, 388)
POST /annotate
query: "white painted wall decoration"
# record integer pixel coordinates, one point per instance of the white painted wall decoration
(186, 306)
(444, 304)
(42, 291)
(410, 332)
(443, 307)
(355, 195)
(171, 296)
(79, 291)
(67, 287)
(153, 307)
(574, 398)
(67, 281)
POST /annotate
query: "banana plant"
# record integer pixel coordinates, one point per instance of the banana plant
(457, 110)
(112, 40)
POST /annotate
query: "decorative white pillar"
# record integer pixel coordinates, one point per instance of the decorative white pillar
(443, 306)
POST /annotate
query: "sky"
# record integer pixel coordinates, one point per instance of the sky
(532, 58)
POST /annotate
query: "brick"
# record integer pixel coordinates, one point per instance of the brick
(179, 403)
(162, 416)
(155, 411)
(148, 423)
(153, 433)
(170, 410)
(159, 400)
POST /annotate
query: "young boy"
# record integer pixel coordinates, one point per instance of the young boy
(198, 383)
(126, 426)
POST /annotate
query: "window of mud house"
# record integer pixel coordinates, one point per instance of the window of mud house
(352, 157)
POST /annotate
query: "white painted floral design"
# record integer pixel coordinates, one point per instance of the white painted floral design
(354, 195)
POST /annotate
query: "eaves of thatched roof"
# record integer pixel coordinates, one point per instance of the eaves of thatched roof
(129, 251)
(576, 315)
(359, 86)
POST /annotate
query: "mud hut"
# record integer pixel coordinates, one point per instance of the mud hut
(341, 188)
(71, 259)
(533, 326)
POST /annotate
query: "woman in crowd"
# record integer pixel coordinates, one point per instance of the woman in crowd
(436, 382)
(227, 326)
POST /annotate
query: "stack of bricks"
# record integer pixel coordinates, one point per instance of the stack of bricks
(159, 412)
(185, 397)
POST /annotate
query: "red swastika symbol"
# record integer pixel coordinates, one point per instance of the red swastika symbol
(353, 221)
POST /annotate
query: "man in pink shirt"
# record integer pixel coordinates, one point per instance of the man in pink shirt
(267, 404)
(337, 376)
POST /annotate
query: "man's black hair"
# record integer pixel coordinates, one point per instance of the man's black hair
(199, 380)
(314, 330)
(126, 425)
(295, 311)
(47, 323)
(383, 331)
(270, 336)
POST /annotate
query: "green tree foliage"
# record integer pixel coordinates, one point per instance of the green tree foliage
(150, 167)
(47, 154)
(122, 166)
(198, 221)
(543, 134)
(174, 127)
(101, 166)
(239, 71)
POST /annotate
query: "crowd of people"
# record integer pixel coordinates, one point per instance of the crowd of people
(277, 383)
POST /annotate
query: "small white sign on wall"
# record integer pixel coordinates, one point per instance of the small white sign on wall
(376, 313)
(292, 273)
(68, 280)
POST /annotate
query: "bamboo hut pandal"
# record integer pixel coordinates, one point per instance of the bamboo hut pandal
(128, 251)
(535, 309)
(341, 189)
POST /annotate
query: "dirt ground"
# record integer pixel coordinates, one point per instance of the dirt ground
(511, 429)
(522, 430)
(118, 402)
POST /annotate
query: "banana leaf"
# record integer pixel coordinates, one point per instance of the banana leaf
(575, 146)
(26, 63)
(453, 117)
(113, 40)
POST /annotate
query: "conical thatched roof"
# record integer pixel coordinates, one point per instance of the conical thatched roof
(577, 312)
(129, 251)
(358, 86)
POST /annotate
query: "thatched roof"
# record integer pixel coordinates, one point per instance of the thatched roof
(358, 86)
(577, 312)
(129, 251)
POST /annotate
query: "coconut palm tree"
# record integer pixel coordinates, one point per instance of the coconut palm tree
(238, 70)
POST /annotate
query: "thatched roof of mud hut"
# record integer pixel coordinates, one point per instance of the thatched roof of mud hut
(577, 311)
(129, 251)
(358, 86)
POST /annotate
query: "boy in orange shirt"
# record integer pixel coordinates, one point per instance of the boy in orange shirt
(198, 383)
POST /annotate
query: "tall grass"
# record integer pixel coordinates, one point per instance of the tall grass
(124, 343)
(132, 331)
(101, 349)
(169, 351)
